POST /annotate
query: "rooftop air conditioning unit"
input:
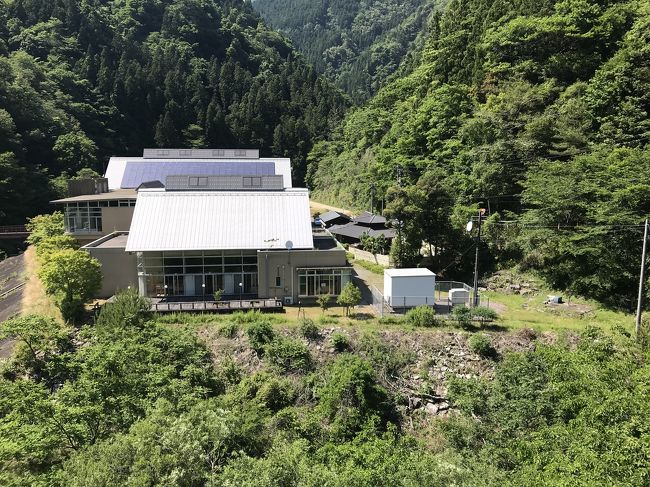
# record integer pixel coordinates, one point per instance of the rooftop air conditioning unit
(288, 300)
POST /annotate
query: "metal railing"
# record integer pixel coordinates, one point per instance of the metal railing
(13, 229)
(244, 304)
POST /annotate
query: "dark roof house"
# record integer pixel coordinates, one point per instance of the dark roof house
(331, 218)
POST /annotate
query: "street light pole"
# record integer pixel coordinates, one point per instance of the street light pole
(639, 303)
(478, 244)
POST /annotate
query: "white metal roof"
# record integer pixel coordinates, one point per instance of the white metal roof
(117, 165)
(415, 272)
(213, 220)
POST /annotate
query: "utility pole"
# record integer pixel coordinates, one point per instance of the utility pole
(639, 303)
(478, 244)
(372, 197)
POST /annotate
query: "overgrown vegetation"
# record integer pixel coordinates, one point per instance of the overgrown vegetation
(131, 398)
(70, 275)
(537, 112)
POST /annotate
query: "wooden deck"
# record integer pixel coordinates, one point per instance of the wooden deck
(164, 306)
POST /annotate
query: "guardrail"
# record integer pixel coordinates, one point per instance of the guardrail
(4, 294)
(13, 229)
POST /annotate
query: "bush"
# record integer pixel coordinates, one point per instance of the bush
(289, 355)
(228, 330)
(324, 301)
(481, 345)
(423, 316)
(308, 329)
(340, 342)
(260, 333)
(484, 314)
(463, 315)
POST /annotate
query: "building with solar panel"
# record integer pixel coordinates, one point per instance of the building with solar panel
(183, 224)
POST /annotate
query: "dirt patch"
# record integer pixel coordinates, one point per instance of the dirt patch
(316, 207)
(35, 300)
(430, 358)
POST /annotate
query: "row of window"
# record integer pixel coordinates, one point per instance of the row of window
(314, 282)
(201, 284)
(101, 204)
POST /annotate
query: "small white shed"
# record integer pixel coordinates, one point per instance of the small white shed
(406, 288)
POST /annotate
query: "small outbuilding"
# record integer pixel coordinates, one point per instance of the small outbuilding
(407, 288)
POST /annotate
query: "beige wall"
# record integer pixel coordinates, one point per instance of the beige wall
(285, 263)
(118, 270)
(117, 219)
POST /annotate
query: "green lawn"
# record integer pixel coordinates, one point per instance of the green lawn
(518, 311)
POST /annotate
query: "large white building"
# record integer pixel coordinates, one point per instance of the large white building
(179, 222)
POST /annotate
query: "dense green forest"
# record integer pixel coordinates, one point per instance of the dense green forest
(536, 111)
(134, 401)
(81, 80)
(358, 45)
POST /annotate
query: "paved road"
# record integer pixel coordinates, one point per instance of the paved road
(12, 276)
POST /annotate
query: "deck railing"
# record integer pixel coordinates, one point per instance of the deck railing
(244, 304)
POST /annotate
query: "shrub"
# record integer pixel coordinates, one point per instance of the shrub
(324, 301)
(463, 315)
(484, 314)
(340, 342)
(423, 316)
(308, 329)
(349, 396)
(218, 294)
(228, 330)
(289, 355)
(260, 333)
(481, 344)
(128, 309)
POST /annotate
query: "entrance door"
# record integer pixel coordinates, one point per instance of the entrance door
(229, 284)
(189, 285)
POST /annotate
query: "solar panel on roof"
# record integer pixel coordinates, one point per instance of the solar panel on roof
(135, 173)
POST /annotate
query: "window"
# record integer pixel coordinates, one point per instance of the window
(218, 153)
(203, 182)
(314, 282)
(240, 152)
(194, 182)
(83, 217)
(162, 152)
(278, 281)
(248, 182)
(185, 152)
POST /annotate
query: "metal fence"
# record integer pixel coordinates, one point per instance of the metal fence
(378, 302)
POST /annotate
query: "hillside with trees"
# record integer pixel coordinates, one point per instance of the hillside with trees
(535, 111)
(357, 45)
(242, 400)
(82, 80)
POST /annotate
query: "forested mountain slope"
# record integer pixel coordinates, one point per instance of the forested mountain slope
(537, 111)
(356, 44)
(83, 79)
